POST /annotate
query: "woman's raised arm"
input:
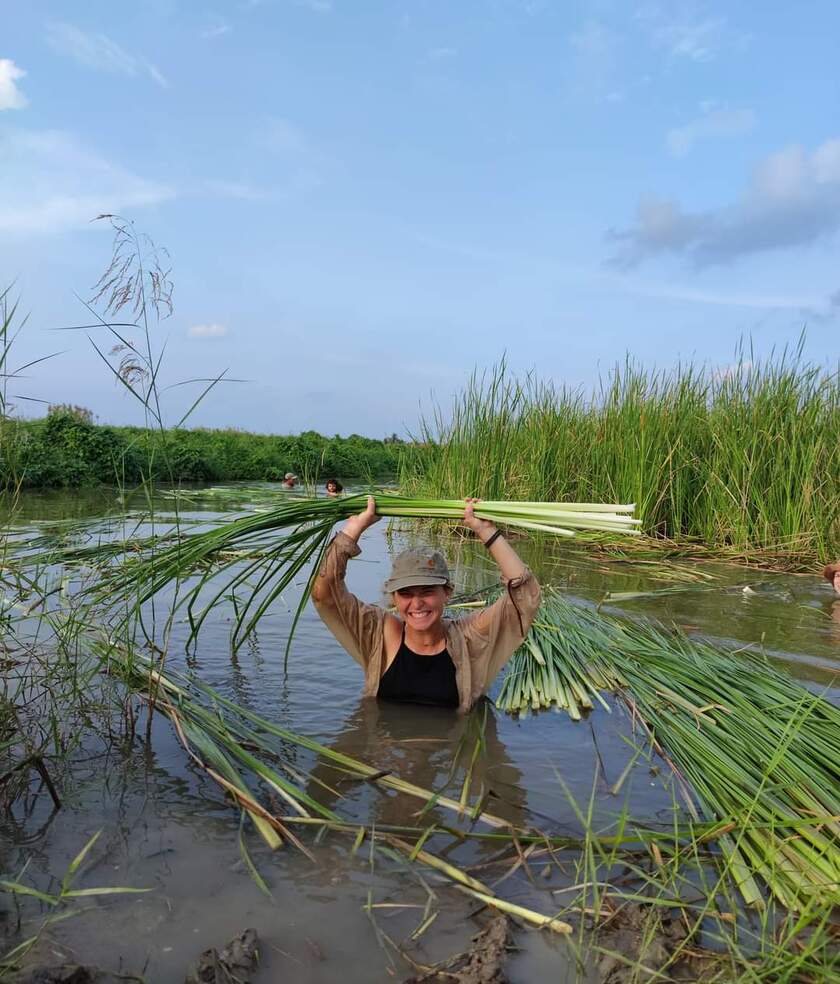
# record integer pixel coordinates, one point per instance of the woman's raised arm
(356, 525)
(355, 624)
(501, 551)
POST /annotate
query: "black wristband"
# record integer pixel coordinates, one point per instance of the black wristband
(492, 539)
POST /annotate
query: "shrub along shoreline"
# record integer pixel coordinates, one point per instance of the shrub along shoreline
(66, 449)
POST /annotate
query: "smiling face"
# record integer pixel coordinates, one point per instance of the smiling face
(422, 607)
(836, 581)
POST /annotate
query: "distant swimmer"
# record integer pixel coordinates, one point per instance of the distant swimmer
(334, 487)
(831, 572)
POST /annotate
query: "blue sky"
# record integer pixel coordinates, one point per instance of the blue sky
(364, 199)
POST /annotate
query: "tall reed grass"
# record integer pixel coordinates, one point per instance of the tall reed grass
(747, 459)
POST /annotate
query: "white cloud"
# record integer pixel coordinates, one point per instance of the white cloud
(684, 28)
(52, 183)
(793, 199)
(714, 121)
(95, 51)
(207, 331)
(827, 162)
(99, 52)
(156, 75)
(10, 95)
(699, 41)
(216, 27)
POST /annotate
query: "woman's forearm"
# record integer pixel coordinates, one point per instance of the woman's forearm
(351, 530)
(509, 561)
(329, 582)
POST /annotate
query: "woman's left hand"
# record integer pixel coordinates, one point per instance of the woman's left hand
(482, 528)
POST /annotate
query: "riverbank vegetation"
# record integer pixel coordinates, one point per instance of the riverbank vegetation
(67, 449)
(741, 462)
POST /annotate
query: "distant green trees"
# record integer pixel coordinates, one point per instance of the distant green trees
(67, 449)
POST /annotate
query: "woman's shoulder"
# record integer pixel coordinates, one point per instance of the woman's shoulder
(458, 626)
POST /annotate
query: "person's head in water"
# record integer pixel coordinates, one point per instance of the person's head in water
(334, 487)
(420, 588)
(290, 480)
(832, 574)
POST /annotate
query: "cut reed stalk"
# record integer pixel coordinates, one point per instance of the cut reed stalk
(215, 741)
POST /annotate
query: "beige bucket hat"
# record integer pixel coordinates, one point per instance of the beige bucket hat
(414, 568)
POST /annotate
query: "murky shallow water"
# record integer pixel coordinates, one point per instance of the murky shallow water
(166, 825)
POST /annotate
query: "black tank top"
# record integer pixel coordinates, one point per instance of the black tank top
(420, 679)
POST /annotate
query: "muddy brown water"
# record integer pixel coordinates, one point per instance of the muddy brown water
(166, 826)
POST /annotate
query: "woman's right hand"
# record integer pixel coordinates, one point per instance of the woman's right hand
(356, 525)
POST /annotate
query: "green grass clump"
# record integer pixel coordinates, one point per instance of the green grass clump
(746, 460)
(755, 749)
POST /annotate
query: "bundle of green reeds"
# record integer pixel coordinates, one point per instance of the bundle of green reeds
(547, 671)
(265, 551)
(759, 751)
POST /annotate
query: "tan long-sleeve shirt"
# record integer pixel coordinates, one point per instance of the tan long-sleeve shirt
(479, 644)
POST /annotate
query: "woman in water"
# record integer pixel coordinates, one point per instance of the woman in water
(832, 574)
(417, 655)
